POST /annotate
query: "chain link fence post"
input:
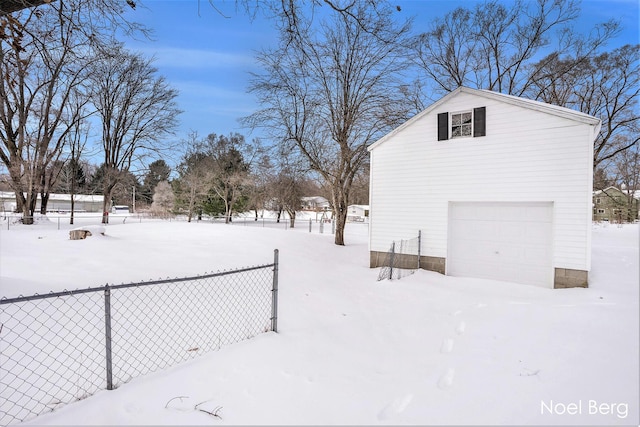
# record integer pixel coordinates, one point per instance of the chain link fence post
(107, 333)
(57, 347)
(274, 293)
(419, 245)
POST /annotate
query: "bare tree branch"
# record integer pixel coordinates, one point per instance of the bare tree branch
(331, 89)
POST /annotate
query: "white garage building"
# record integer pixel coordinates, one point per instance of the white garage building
(57, 202)
(500, 187)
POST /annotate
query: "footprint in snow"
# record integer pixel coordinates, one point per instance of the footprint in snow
(396, 407)
(446, 380)
(447, 345)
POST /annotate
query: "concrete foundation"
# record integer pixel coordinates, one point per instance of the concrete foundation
(564, 277)
(568, 278)
(437, 264)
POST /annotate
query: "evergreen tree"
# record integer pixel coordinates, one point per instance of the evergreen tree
(158, 171)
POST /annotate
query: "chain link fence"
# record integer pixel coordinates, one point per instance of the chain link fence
(62, 347)
(402, 259)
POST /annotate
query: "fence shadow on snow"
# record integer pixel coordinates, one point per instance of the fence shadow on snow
(65, 346)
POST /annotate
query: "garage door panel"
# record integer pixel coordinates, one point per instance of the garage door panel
(463, 230)
(508, 231)
(537, 233)
(538, 256)
(534, 276)
(509, 253)
(538, 214)
(502, 241)
(468, 230)
(509, 212)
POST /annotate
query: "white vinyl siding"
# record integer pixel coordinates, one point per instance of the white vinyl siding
(527, 156)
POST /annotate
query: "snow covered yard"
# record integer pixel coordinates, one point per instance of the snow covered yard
(427, 349)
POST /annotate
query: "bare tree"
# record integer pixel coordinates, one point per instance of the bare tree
(137, 110)
(10, 6)
(288, 192)
(289, 183)
(493, 46)
(606, 86)
(331, 89)
(609, 89)
(627, 170)
(601, 179)
(163, 200)
(194, 177)
(44, 51)
(261, 177)
(42, 70)
(77, 143)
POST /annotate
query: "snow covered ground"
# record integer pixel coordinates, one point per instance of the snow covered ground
(427, 349)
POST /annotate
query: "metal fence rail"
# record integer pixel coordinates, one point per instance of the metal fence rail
(65, 346)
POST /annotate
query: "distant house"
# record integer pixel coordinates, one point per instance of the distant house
(315, 203)
(358, 213)
(615, 205)
(57, 202)
(499, 186)
(120, 209)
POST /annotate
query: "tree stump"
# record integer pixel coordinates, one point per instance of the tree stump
(79, 234)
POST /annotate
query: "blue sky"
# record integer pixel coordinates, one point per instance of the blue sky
(208, 57)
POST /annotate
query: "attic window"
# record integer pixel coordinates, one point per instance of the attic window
(462, 124)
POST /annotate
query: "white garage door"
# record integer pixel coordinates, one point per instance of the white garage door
(501, 241)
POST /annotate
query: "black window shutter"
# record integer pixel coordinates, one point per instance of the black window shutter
(443, 126)
(479, 121)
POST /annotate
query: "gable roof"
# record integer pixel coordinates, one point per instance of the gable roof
(509, 99)
(635, 194)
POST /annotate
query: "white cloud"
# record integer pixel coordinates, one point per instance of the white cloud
(197, 58)
(200, 89)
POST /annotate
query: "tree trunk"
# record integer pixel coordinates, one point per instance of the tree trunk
(191, 205)
(340, 203)
(227, 216)
(29, 207)
(105, 212)
(105, 204)
(44, 201)
(20, 202)
(73, 206)
(292, 219)
(341, 221)
(27, 216)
